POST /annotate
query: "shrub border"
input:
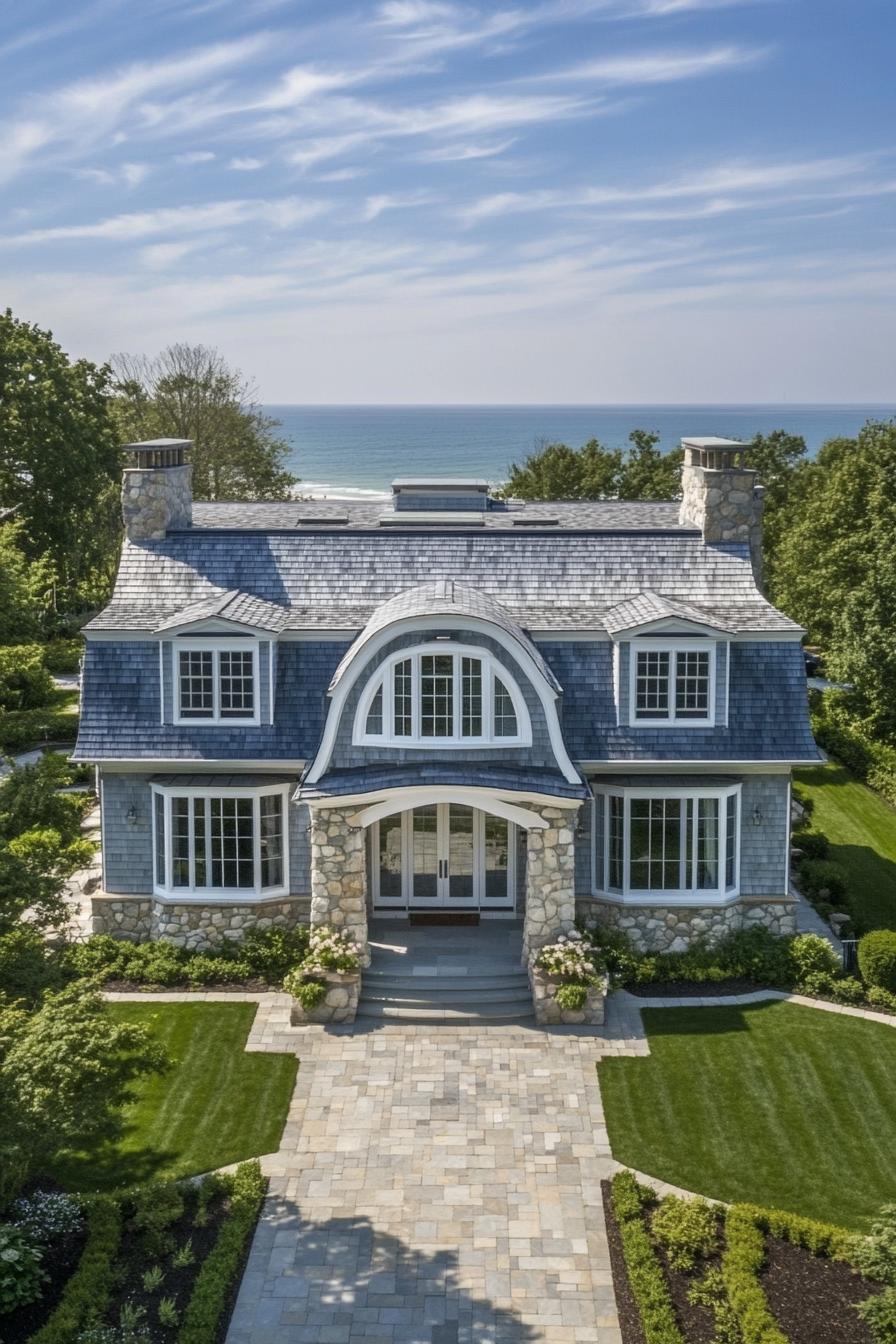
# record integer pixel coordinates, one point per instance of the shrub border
(88, 1290)
(215, 1281)
(642, 1266)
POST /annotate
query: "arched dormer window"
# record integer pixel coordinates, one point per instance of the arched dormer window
(442, 694)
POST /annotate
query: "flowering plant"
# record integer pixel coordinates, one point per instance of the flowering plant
(571, 960)
(47, 1215)
(329, 949)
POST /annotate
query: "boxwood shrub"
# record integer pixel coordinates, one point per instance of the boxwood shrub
(214, 1284)
(877, 959)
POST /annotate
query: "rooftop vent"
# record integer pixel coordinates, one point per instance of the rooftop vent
(437, 494)
(417, 516)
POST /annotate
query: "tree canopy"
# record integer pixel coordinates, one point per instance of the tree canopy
(59, 458)
(556, 471)
(190, 392)
(26, 587)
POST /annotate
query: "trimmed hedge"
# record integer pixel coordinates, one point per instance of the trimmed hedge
(837, 732)
(815, 1237)
(877, 959)
(742, 1260)
(215, 1280)
(89, 1288)
(645, 1273)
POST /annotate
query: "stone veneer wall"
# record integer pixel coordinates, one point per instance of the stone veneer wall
(726, 505)
(550, 879)
(154, 499)
(192, 925)
(662, 928)
(339, 874)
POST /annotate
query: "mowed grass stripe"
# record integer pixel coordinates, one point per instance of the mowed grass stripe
(772, 1103)
(215, 1105)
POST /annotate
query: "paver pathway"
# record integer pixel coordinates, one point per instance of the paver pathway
(434, 1187)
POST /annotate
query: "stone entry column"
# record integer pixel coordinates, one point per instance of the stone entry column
(550, 880)
(339, 874)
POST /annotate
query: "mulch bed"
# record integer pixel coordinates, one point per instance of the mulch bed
(813, 1299)
(626, 1308)
(60, 1262)
(689, 989)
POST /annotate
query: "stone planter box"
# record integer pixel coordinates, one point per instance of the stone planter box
(339, 1004)
(549, 1013)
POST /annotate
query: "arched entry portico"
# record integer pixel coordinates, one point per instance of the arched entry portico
(451, 847)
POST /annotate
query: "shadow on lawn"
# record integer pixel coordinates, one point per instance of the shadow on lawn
(347, 1271)
(108, 1168)
(698, 1021)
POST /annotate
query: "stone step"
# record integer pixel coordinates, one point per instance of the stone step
(383, 980)
(436, 994)
(472, 1014)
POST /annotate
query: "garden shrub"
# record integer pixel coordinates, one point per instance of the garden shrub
(27, 965)
(881, 998)
(87, 1292)
(686, 1228)
(271, 953)
(63, 655)
(156, 1207)
(209, 969)
(877, 959)
(214, 1283)
(874, 1255)
(816, 1237)
(710, 1292)
(21, 1271)
(810, 953)
(571, 998)
(25, 682)
(645, 1273)
(22, 729)
(308, 992)
(814, 845)
(47, 1216)
(823, 880)
(742, 1261)
(879, 1314)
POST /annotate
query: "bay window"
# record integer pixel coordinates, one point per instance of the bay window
(219, 841)
(667, 843)
(672, 683)
(442, 694)
(214, 683)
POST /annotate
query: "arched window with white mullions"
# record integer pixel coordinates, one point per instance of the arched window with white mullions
(442, 695)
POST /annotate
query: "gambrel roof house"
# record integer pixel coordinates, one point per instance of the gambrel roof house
(448, 703)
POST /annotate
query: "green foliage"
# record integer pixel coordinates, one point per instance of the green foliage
(26, 587)
(813, 844)
(875, 1255)
(742, 1261)
(879, 1314)
(47, 1216)
(30, 801)
(823, 880)
(877, 959)
(308, 992)
(156, 1206)
(205, 1193)
(686, 1228)
(749, 954)
(167, 1313)
(881, 998)
(214, 1283)
(33, 870)
(63, 655)
(190, 392)
(710, 1292)
(25, 682)
(184, 1255)
(645, 1274)
(21, 1269)
(594, 472)
(22, 729)
(271, 953)
(814, 1236)
(131, 1317)
(28, 966)
(87, 1292)
(153, 1278)
(810, 953)
(64, 1075)
(571, 998)
(207, 969)
(778, 459)
(59, 461)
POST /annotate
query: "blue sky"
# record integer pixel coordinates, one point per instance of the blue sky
(429, 201)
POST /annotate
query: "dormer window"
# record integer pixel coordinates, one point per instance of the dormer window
(672, 683)
(215, 683)
(442, 694)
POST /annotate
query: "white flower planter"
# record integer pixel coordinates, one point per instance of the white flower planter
(548, 1011)
(339, 1004)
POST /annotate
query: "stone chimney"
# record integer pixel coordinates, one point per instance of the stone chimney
(157, 489)
(719, 495)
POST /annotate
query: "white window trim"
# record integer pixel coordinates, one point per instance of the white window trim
(672, 647)
(215, 647)
(224, 895)
(720, 895)
(383, 678)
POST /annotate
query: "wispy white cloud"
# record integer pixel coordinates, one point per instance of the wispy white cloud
(374, 206)
(245, 165)
(194, 156)
(401, 13)
(184, 219)
(660, 67)
(461, 153)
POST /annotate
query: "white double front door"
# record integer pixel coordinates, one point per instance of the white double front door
(442, 855)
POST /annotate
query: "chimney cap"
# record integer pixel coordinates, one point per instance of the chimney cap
(721, 445)
(153, 453)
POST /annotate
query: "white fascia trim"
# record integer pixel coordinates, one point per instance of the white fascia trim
(128, 765)
(334, 633)
(674, 626)
(217, 625)
(418, 795)
(545, 692)
(693, 900)
(636, 767)
(401, 802)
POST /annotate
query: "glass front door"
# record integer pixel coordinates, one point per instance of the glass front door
(443, 855)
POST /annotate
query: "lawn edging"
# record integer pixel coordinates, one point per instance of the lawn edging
(215, 1285)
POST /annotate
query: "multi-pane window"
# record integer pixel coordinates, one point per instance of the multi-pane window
(441, 694)
(672, 685)
(216, 684)
(219, 842)
(679, 844)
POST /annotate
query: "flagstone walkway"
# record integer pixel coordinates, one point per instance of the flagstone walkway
(434, 1187)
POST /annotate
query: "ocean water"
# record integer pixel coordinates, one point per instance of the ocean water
(355, 451)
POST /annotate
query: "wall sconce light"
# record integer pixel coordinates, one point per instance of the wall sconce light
(131, 815)
(757, 815)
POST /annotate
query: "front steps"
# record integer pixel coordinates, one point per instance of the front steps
(456, 1000)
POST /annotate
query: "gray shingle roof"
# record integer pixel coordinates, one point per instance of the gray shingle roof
(649, 606)
(466, 773)
(443, 597)
(335, 580)
(233, 605)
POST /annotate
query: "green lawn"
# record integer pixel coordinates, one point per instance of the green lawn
(862, 830)
(216, 1104)
(774, 1104)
